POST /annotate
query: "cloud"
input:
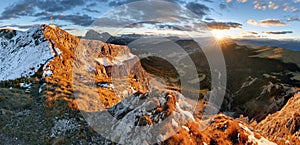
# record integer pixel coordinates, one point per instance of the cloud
(91, 10)
(154, 11)
(209, 1)
(116, 3)
(141, 24)
(278, 32)
(29, 7)
(57, 6)
(291, 19)
(198, 8)
(17, 26)
(242, 1)
(82, 20)
(239, 1)
(42, 14)
(259, 5)
(266, 22)
(224, 25)
(250, 33)
(273, 6)
(222, 6)
(70, 29)
(161, 26)
(171, 27)
(289, 8)
(17, 10)
(264, 4)
(209, 19)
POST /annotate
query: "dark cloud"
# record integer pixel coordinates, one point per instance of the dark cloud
(170, 27)
(278, 32)
(17, 10)
(17, 26)
(42, 14)
(145, 11)
(209, 19)
(115, 3)
(91, 10)
(58, 6)
(93, 4)
(209, 1)
(198, 8)
(29, 7)
(70, 29)
(224, 25)
(82, 20)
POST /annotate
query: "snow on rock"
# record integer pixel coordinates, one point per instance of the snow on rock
(47, 71)
(252, 139)
(24, 54)
(26, 86)
(249, 82)
(141, 120)
(118, 60)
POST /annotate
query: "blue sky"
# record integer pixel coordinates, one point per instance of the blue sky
(276, 19)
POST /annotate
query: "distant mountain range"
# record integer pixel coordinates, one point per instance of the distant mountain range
(287, 44)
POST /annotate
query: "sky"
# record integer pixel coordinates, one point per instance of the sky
(249, 19)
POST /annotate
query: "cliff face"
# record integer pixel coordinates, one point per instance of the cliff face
(105, 69)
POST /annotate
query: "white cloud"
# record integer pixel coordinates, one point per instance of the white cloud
(296, 1)
(266, 23)
(273, 5)
(242, 1)
(289, 8)
(259, 5)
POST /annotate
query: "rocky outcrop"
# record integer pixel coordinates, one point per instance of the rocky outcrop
(283, 126)
(94, 35)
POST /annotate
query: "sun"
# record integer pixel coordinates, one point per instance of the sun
(218, 35)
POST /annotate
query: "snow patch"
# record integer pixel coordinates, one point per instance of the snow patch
(253, 139)
(26, 86)
(118, 60)
(24, 54)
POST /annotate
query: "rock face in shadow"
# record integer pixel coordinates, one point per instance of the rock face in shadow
(94, 35)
